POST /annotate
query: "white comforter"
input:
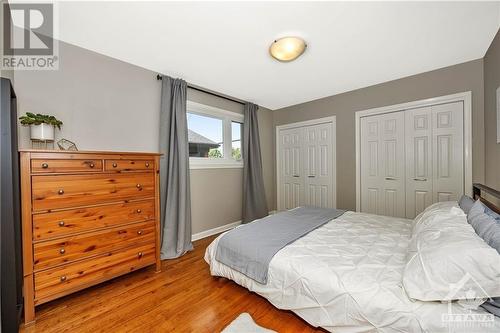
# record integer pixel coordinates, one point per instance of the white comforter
(346, 277)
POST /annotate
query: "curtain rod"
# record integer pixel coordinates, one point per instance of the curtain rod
(159, 77)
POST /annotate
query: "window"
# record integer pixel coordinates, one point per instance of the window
(236, 134)
(214, 137)
(205, 136)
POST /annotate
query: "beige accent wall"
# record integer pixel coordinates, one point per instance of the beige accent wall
(107, 104)
(449, 80)
(491, 84)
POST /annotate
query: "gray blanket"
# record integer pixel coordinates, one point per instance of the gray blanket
(249, 248)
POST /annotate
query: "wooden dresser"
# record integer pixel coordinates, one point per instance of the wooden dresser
(87, 217)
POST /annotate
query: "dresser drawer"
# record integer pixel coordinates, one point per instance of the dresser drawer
(129, 165)
(56, 282)
(52, 253)
(61, 191)
(68, 222)
(65, 166)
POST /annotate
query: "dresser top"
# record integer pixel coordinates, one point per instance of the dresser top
(30, 150)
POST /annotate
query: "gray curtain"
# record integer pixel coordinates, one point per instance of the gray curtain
(174, 170)
(254, 196)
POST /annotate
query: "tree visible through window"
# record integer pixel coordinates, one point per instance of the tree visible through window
(236, 134)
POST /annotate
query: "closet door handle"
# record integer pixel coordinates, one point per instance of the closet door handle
(311, 176)
(420, 179)
(390, 178)
(296, 176)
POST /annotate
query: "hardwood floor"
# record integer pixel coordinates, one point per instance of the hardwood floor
(184, 297)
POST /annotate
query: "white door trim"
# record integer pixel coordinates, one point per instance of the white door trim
(333, 121)
(465, 97)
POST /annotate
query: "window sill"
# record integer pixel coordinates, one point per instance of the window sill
(197, 165)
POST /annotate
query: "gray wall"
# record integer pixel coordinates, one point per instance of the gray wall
(107, 104)
(8, 75)
(491, 84)
(454, 79)
(4, 73)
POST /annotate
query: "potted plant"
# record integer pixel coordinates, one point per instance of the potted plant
(41, 125)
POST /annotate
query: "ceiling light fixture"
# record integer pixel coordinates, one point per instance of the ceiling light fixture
(287, 48)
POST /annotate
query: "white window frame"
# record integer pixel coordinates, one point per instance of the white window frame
(227, 117)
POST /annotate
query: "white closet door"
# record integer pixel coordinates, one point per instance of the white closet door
(448, 152)
(318, 166)
(370, 165)
(418, 133)
(291, 163)
(383, 165)
(412, 158)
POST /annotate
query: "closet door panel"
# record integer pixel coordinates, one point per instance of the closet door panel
(319, 165)
(292, 177)
(383, 165)
(448, 151)
(393, 164)
(418, 137)
(370, 166)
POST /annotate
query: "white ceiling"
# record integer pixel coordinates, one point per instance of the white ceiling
(223, 46)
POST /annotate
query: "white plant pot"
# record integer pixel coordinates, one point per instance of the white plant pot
(43, 132)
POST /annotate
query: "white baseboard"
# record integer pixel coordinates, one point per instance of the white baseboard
(214, 231)
(218, 230)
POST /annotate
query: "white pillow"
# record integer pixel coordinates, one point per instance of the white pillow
(450, 261)
(436, 212)
(434, 215)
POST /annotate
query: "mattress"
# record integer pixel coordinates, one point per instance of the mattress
(346, 277)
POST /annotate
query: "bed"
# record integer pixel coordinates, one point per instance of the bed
(346, 276)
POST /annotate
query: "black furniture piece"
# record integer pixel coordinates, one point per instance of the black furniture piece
(10, 222)
(479, 189)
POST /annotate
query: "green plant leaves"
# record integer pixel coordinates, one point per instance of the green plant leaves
(37, 119)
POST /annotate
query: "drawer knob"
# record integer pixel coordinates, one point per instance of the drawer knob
(92, 165)
(115, 165)
(147, 165)
(139, 232)
(138, 211)
(139, 186)
(140, 255)
(61, 223)
(60, 192)
(63, 278)
(62, 250)
(45, 165)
